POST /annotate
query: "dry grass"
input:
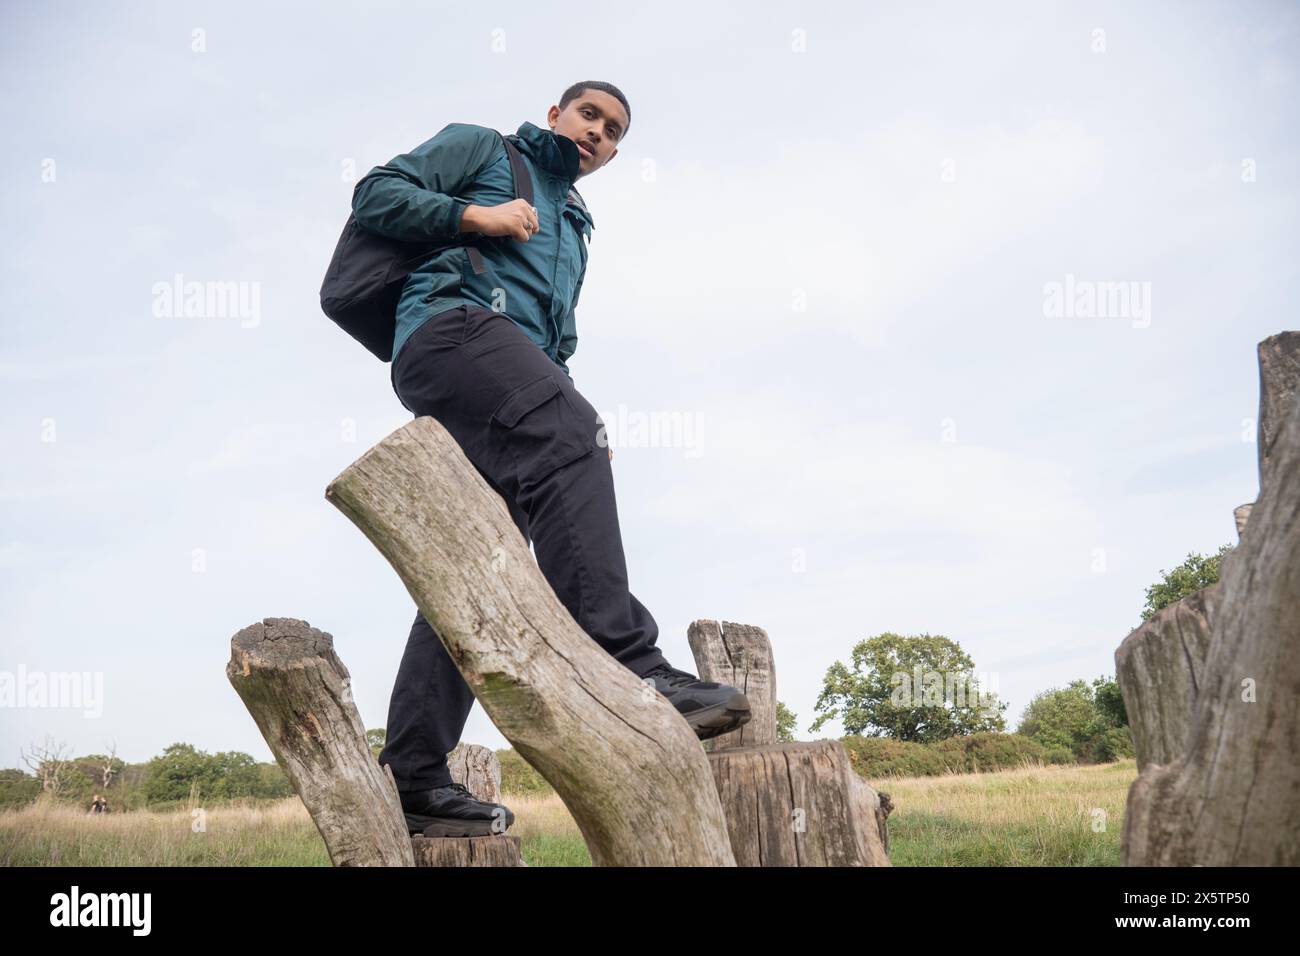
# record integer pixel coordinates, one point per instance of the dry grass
(1059, 815)
(1037, 816)
(273, 834)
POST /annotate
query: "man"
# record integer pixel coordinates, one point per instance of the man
(483, 337)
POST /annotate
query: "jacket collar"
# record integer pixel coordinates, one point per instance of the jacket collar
(554, 155)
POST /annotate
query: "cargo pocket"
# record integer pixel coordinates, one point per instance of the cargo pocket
(542, 430)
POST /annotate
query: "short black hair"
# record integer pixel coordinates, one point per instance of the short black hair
(577, 89)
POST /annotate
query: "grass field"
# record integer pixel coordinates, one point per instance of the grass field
(1038, 816)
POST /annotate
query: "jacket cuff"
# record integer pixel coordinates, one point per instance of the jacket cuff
(458, 213)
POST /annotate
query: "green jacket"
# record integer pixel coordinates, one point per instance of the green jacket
(422, 195)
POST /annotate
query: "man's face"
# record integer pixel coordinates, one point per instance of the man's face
(596, 122)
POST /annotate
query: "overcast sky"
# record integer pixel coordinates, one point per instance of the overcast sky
(829, 240)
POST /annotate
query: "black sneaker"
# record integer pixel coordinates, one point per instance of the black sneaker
(453, 811)
(710, 708)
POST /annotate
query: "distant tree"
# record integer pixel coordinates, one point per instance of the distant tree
(51, 765)
(184, 772)
(375, 738)
(785, 723)
(108, 765)
(920, 688)
(1071, 718)
(17, 789)
(232, 774)
(1109, 701)
(93, 773)
(272, 781)
(177, 773)
(1197, 572)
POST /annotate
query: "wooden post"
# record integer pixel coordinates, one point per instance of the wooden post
(625, 763)
(1279, 381)
(299, 693)
(1232, 798)
(499, 850)
(1159, 663)
(787, 804)
(799, 804)
(739, 655)
(1158, 667)
(478, 769)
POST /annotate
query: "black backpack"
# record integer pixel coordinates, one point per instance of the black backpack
(363, 284)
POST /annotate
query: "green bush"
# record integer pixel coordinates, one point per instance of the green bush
(1082, 719)
(885, 756)
(983, 751)
(1195, 573)
(1108, 744)
(987, 751)
(17, 789)
(518, 776)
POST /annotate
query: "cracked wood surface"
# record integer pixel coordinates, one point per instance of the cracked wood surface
(625, 763)
(1232, 797)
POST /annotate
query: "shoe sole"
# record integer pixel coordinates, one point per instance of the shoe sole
(420, 824)
(721, 718)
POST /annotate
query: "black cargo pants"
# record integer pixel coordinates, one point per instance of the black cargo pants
(533, 438)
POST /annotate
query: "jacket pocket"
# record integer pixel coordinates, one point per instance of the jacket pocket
(542, 429)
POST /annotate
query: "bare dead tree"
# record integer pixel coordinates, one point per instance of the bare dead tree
(108, 767)
(50, 764)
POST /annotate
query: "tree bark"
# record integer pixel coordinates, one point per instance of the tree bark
(622, 759)
(478, 769)
(739, 655)
(1240, 515)
(1233, 797)
(499, 850)
(800, 804)
(1158, 667)
(299, 693)
(1279, 379)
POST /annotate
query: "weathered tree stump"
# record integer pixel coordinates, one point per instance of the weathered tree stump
(799, 804)
(1279, 382)
(500, 850)
(478, 768)
(1158, 663)
(787, 804)
(1240, 515)
(1232, 797)
(625, 763)
(299, 693)
(1158, 668)
(739, 655)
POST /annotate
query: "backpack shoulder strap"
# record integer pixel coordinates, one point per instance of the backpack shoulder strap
(523, 190)
(575, 197)
(523, 181)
